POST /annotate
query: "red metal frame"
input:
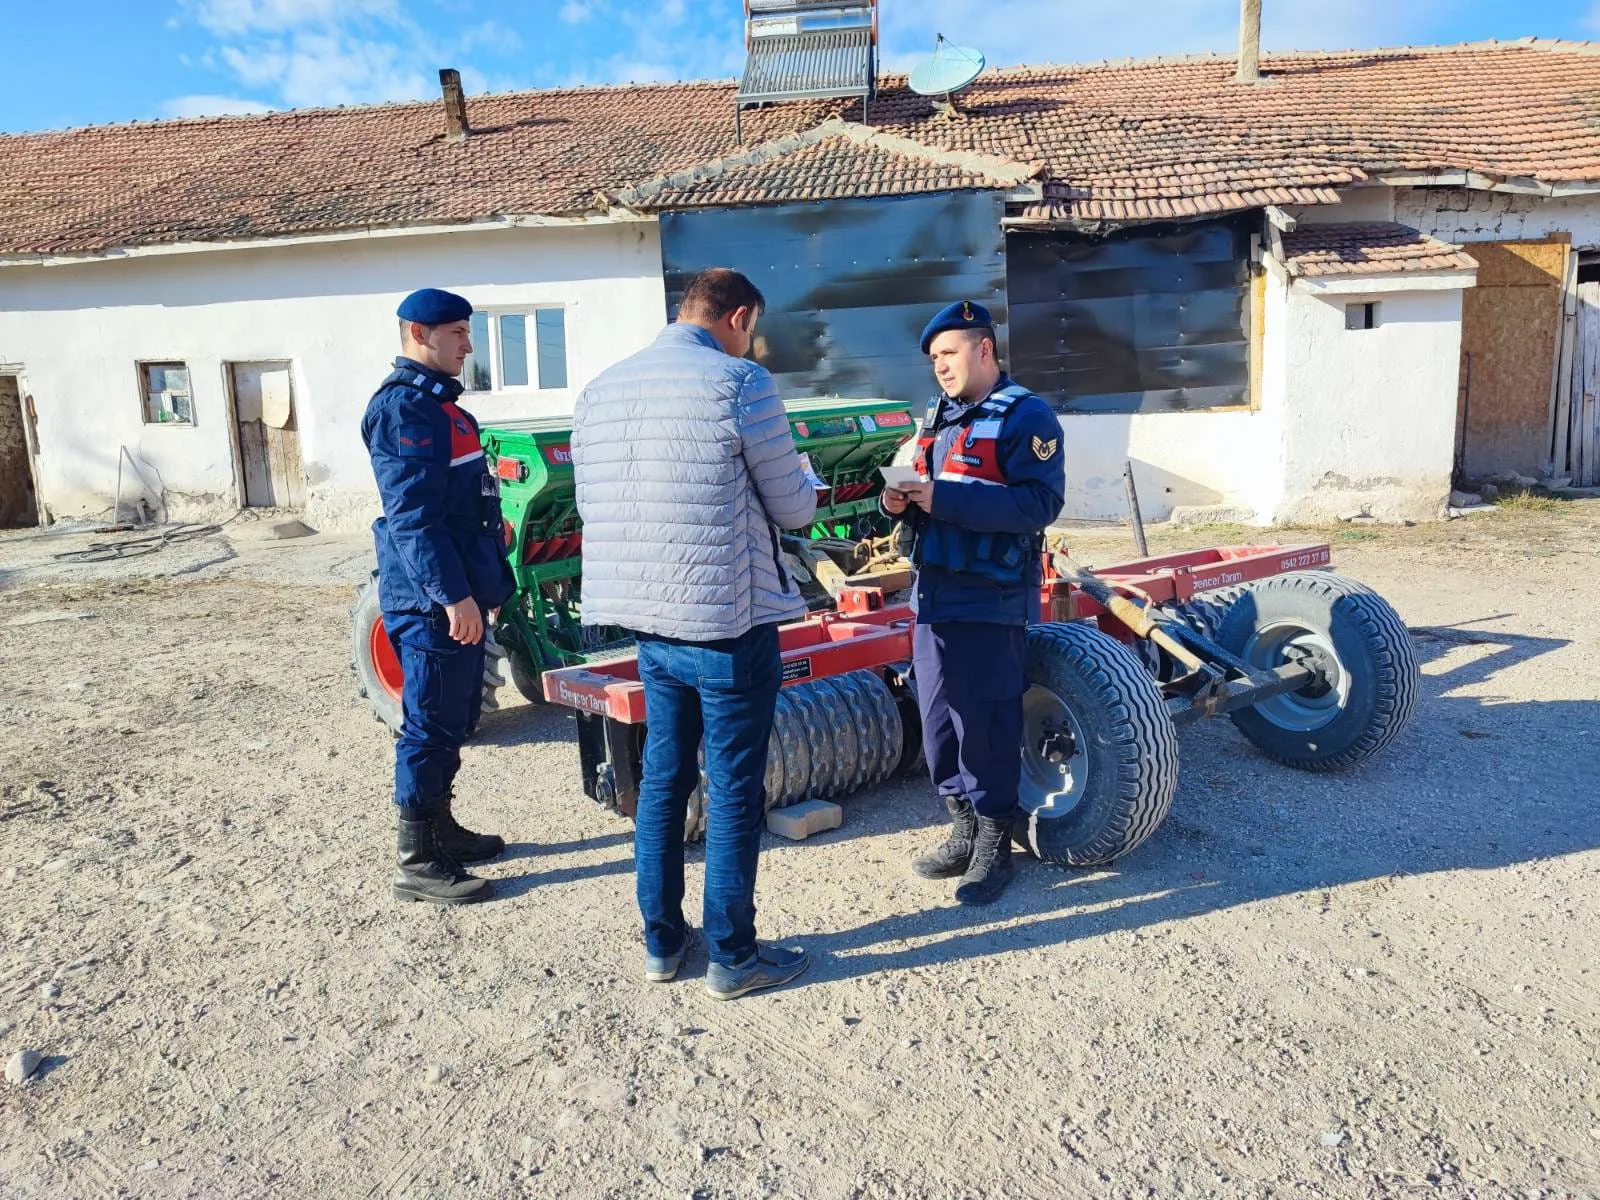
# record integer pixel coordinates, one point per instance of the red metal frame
(864, 633)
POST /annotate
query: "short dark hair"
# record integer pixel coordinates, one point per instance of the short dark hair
(718, 291)
(981, 333)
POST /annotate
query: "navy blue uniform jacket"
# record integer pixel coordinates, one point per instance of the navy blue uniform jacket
(440, 538)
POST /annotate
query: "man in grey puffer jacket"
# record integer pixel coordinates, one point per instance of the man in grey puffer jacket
(685, 471)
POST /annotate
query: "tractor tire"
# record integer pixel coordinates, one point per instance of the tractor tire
(377, 668)
(520, 669)
(1375, 683)
(1204, 611)
(1116, 784)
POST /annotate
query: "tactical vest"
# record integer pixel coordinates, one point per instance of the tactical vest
(973, 460)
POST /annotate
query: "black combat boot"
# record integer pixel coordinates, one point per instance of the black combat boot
(951, 859)
(425, 872)
(461, 843)
(990, 869)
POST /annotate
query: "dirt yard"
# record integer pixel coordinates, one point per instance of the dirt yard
(1377, 984)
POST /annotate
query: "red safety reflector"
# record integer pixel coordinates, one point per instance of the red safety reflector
(513, 469)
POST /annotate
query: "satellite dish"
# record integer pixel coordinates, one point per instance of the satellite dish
(948, 69)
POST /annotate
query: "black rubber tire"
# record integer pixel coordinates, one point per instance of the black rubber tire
(364, 614)
(521, 671)
(1374, 651)
(1204, 611)
(1129, 743)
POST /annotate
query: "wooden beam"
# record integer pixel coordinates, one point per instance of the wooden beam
(1566, 368)
(1280, 220)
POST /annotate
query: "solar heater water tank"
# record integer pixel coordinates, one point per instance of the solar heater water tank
(807, 50)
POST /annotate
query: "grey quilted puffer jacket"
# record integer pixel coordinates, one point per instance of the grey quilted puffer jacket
(685, 467)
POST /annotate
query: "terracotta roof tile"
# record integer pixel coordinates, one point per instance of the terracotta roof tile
(1369, 249)
(1154, 139)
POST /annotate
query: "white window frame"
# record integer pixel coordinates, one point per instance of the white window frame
(493, 313)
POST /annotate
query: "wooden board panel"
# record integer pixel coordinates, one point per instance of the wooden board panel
(1510, 337)
(1586, 383)
(269, 441)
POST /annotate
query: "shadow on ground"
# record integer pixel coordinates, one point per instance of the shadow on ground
(1476, 783)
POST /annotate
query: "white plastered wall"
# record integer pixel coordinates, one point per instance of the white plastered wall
(79, 330)
(1368, 418)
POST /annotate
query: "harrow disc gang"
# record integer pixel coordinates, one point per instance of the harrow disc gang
(830, 737)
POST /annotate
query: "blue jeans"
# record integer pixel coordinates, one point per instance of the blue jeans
(442, 698)
(723, 693)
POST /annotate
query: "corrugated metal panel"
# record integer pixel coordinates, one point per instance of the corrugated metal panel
(849, 283)
(835, 62)
(1150, 320)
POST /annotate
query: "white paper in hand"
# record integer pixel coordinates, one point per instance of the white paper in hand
(811, 474)
(899, 478)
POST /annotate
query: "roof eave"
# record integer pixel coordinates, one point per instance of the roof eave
(613, 216)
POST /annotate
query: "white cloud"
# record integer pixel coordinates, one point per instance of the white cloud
(317, 68)
(232, 18)
(576, 12)
(323, 52)
(489, 35)
(211, 106)
(260, 66)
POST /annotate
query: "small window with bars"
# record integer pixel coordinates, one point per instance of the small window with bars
(517, 349)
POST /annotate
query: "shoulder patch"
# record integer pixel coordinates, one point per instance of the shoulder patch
(1043, 449)
(416, 441)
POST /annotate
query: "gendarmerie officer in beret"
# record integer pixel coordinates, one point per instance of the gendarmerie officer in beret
(989, 452)
(442, 573)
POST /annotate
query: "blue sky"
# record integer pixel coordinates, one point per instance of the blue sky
(95, 61)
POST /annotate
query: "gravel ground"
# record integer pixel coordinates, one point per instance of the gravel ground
(1373, 984)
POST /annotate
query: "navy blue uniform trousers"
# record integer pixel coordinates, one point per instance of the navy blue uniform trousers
(970, 678)
(442, 699)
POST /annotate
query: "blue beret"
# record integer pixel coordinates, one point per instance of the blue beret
(963, 314)
(430, 306)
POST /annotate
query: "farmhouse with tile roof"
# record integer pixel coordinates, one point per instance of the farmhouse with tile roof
(1322, 293)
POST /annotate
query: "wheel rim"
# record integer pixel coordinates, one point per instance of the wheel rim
(1313, 706)
(384, 663)
(1051, 789)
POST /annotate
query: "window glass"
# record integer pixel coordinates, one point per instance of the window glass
(513, 350)
(164, 388)
(550, 327)
(475, 374)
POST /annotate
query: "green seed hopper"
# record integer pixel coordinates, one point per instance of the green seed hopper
(844, 443)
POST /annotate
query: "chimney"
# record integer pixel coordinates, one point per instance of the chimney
(1249, 42)
(455, 105)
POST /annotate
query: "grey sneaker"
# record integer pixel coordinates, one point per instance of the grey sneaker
(663, 968)
(767, 967)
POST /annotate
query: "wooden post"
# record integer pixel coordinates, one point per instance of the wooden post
(1561, 390)
(1133, 509)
